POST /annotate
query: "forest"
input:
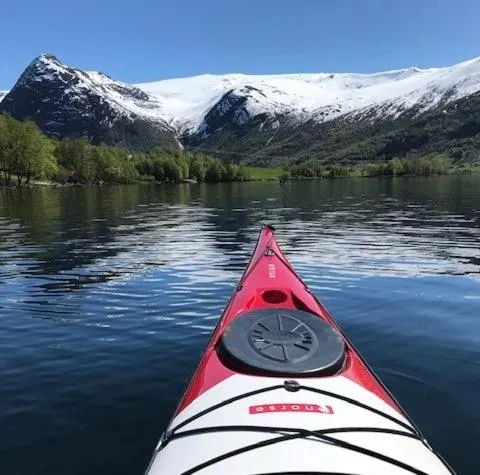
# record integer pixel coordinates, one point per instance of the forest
(433, 164)
(26, 154)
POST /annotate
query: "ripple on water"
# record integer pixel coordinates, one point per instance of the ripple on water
(102, 289)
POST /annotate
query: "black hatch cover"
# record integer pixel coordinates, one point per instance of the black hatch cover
(283, 341)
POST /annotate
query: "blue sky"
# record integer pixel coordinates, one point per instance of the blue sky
(147, 40)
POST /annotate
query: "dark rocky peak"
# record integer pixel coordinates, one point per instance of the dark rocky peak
(69, 102)
(48, 67)
(45, 64)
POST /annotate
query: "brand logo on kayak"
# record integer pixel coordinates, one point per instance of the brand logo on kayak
(266, 408)
(272, 271)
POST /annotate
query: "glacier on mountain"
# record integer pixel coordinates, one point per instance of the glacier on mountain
(184, 102)
(187, 106)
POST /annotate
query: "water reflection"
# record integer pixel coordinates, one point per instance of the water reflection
(398, 226)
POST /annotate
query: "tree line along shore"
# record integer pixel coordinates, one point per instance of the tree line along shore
(26, 154)
(434, 164)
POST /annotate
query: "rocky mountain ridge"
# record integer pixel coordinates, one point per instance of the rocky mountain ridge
(268, 119)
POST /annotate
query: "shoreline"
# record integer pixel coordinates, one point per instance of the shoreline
(280, 179)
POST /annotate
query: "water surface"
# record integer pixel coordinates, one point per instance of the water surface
(108, 296)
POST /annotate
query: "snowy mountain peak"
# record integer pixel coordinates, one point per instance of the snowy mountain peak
(209, 108)
(72, 102)
(186, 102)
(47, 59)
(42, 65)
(127, 100)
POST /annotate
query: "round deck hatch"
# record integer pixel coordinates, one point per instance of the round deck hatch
(283, 341)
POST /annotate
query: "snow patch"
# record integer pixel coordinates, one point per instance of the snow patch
(124, 100)
(184, 102)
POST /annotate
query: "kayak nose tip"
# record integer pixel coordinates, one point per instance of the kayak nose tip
(269, 226)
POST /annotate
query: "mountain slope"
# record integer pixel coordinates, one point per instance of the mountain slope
(452, 128)
(320, 97)
(267, 119)
(69, 102)
(279, 119)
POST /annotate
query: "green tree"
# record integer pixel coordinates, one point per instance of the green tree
(395, 167)
(230, 172)
(24, 151)
(198, 168)
(76, 156)
(173, 170)
(242, 174)
(215, 171)
(158, 169)
(5, 147)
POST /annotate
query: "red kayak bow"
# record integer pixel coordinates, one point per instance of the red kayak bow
(280, 389)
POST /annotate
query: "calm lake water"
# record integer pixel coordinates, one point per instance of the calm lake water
(108, 296)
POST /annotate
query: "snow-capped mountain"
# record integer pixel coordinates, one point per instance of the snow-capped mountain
(259, 116)
(70, 102)
(184, 103)
(3, 94)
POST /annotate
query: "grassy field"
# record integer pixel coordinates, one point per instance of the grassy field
(260, 173)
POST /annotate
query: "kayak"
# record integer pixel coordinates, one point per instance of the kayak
(281, 390)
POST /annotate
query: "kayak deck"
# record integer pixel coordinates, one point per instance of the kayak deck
(280, 389)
